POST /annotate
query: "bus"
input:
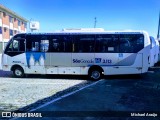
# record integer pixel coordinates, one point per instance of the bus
(158, 39)
(154, 52)
(157, 51)
(92, 53)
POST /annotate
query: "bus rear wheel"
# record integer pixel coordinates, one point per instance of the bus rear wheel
(18, 72)
(95, 74)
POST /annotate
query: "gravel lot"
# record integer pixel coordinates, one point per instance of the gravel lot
(27, 93)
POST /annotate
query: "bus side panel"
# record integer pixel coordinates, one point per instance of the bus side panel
(152, 56)
(82, 59)
(59, 63)
(138, 63)
(127, 59)
(69, 70)
(64, 70)
(84, 70)
(135, 68)
(82, 62)
(157, 51)
(58, 59)
(106, 59)
(146, 55)
(120, 70)
(5, 62)
(35, 63)
(51, 70)
(9, 61)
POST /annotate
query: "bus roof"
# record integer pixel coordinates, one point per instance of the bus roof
(105, 32)
(87, 32)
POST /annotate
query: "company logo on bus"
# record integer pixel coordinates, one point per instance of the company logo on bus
(97, 60)
(82, 61)
(100, 60)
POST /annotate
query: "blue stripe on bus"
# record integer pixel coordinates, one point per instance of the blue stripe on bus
(36, 56)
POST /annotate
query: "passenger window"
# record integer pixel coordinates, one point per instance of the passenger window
(125, 45)
(44, 45)
(32, 43)
(35, 46)
(61, 43)
(67, 43)
(56, 45)
(107, 43)
(84, 43)
(131, 43)
(37, 43)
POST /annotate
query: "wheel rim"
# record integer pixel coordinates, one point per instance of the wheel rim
(96, 75)
(18, 72)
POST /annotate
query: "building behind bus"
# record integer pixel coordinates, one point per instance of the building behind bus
(10, 24)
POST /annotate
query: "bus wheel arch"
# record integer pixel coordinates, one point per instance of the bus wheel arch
(95, 72)
(18, 71)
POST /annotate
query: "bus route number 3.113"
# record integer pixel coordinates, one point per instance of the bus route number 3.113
(106, 61)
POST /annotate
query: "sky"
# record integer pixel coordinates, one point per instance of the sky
(111, 14)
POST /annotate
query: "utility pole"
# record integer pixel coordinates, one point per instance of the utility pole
(158, 36)
(30, 25)
(95, 22)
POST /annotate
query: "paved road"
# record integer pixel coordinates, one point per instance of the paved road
(121, 93)
(114, 93)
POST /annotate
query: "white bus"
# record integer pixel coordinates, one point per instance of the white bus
(158, 40)
(80, 53)
(154, 52)
(157, 51)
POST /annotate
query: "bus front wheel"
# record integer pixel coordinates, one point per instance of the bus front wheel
(18, 72)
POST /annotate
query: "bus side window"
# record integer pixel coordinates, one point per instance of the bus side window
(138, 43)
(104, 45)
(125, 44)
(35, 47)
(87, 43)
(107, 43)
(131, 43)
(67, 43)
(33, 43)
(55, 47)
(44, 45)
(76, 44)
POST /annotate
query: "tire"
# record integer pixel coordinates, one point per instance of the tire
(95, 74)
(18, 72)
